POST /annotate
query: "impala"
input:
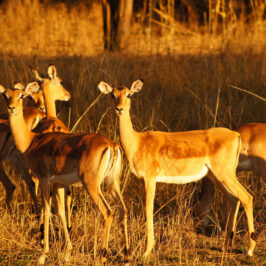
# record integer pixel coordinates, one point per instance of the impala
(68, 159)
(52, 91)
(252, 158)
(253, 149)
(34, 111)
(9, 154)
(180, 158)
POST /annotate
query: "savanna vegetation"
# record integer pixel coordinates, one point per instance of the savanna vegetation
(193, 68)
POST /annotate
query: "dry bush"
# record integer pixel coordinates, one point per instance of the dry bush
(186, 87)
(35, 28)
(180, 93)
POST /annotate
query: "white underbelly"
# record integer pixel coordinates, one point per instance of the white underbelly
(183, 179)
(71, 179)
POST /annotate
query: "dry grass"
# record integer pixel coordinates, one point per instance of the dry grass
(185, 88)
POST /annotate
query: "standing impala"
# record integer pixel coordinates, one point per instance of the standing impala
(9, 154)
(180, 158)
(252, 158)
(52, 90)
(68, 159)
(253, 149)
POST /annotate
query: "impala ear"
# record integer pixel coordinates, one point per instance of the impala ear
(31, 88)
(18, 86)
(105, 87)
(136, 86)
(52, 73)
(2, 89)
(36, 73)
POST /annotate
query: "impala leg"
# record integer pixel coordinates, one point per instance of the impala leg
(8, 185)
(231, 214)
(123, 213)
(36, 184)
(108, 221)
(150, 186)
(45, 189)
(60, 199)
(237, 192)
(31, 185)
(68, 207)
(202, 208)
(260, 167)
(51, 193)
(246, 199)
(95, 193)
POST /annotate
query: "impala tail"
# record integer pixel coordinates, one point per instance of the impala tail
(112, 158)
(238, 151)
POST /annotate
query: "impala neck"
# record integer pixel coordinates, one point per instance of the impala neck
(49, 99)
(128, 136)
(21, 134)
(49, 105)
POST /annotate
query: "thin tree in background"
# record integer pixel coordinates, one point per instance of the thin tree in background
(116, 21)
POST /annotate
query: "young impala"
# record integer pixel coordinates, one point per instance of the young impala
(180, 158)
(252, 158)
(68, 159)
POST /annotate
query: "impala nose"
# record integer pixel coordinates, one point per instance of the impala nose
(67, 97)
(42, 108)
(11, 109)
(119, 110)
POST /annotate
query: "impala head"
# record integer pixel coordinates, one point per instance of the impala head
(52, 85)
(15, 97)
(38, 100)
(37, 97)
(121, 94)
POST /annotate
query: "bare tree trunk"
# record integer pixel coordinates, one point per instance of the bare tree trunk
(193, 16)
(124, 22)
(116, 20)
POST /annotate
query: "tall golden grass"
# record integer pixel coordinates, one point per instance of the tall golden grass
(186, 86)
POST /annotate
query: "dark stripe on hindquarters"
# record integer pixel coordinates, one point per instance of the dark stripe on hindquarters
(112, 160)
(6, 140)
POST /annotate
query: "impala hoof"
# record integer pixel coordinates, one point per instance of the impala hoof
(147, 253)
(69, 228)
(66, 258)
(127, 253)
(103, 260)
(41, 260)
(103, 255)
(250, 253)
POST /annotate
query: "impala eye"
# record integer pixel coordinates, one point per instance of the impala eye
(21, 96)
(129, 95)
(113, 96)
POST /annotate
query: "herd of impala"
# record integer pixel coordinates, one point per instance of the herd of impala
(41, 148)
